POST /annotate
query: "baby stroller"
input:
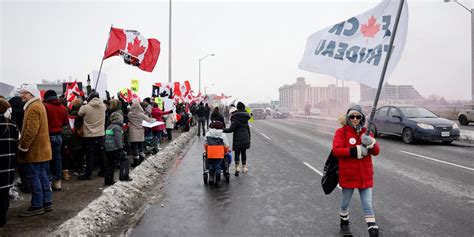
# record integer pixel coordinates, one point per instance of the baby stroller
(215, 158)
(150, 146)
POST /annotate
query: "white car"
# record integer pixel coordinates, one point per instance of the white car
(466, 116)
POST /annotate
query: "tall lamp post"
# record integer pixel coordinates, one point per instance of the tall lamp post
(200, 60)
(472, 46)
(205, 88)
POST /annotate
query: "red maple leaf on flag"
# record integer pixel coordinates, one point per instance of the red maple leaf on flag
(371, 28)
(134, 48)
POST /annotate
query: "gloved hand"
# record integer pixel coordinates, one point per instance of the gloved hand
(363, 151)
(368, 141)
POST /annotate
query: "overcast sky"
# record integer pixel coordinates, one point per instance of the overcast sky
(258, 44)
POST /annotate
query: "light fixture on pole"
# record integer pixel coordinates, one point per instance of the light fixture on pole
(472, 46)
(205, 88)
(200, 60)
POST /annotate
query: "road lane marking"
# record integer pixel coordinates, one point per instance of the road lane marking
(317, 171)
(265, 136)
(330, 133)
(440, 161)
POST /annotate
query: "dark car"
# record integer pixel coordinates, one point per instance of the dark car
(414, 123)
(259, 113)
(281, 113)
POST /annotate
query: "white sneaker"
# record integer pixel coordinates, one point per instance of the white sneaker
(244, 169)
(237, 168)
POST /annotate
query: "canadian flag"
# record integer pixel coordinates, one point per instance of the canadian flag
(72, 91)
(181, 89)
(134, 48)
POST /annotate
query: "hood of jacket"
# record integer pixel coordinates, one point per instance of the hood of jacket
(241, 116)
(214, 133)
(136, 107)
(96, 103)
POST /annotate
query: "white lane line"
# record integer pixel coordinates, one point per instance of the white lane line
(330, 133)
(265, 136)
(440, 161)
(317, 171)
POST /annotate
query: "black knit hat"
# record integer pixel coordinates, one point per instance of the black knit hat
(92, 96)
(240, 106)
(49, 95)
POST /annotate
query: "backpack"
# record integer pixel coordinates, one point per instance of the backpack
(330, 177)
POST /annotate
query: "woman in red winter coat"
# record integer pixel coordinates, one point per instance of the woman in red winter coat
(354, 151)
(157, 114)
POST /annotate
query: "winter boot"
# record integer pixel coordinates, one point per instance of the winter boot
(244, 169)
(136, 161)
(56, 185)
(237, 169)
(66, 175)
(373, 231)
(345, 230)
(141, 157)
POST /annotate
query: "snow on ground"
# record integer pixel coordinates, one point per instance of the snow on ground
(116, 200)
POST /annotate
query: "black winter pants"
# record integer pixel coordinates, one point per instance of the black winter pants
(242, 152)
(112, 157)
(4, 204)
(94, 151)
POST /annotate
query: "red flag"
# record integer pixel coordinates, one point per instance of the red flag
(135, 49)
(71, 91)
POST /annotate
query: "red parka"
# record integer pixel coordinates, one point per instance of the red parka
(353, 172)
(157, 114)
(57, 116)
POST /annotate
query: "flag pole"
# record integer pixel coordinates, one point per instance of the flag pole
(102, 62)
(385, 65)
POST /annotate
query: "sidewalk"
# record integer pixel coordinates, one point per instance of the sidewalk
(74, 197)
(465, 136)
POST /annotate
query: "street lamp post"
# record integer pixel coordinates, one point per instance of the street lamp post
(205, 88)
(200, 60)
(472, 46)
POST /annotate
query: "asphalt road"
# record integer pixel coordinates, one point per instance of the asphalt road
(420, 190)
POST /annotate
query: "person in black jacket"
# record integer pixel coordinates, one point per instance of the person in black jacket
(201, 118)
(217, 116)
(207, 109)
(9, 136)
(241, 136)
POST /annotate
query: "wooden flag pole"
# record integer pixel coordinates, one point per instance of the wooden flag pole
(102, 62)
(385, 65)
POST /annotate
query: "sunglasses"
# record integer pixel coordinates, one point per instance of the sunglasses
(359, 117)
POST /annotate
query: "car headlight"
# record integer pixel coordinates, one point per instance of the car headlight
(425, 126)
(455, 126)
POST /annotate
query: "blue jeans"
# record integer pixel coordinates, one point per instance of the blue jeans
(56, 142)
(365, 197)
(37, 175)
(215, 167)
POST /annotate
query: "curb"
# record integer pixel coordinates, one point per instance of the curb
(465, 136)
(116, 200)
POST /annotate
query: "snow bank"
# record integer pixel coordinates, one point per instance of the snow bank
(117, 200)
(467, 135)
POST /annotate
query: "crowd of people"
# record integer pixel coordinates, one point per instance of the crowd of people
(48, 140)
(45, 141)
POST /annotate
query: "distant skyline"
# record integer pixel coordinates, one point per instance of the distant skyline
(258, 45)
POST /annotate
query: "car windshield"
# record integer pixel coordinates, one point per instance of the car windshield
(417, 112)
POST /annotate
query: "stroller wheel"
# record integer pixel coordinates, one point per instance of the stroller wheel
(205, 178)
